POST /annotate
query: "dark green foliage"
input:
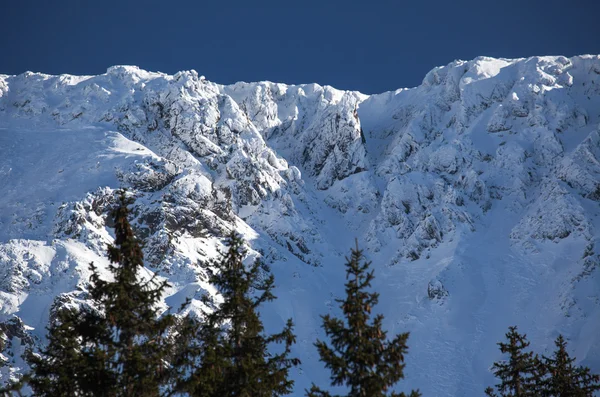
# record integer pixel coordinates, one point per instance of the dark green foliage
(525, 374)
(59, 369)
(116, 348)
(521, 375)
(234, 359)
(566, 379)
(360, 356)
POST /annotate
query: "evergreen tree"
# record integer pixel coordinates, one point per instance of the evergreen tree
(60, 367)
(234, 359)
(116, 348)
(360, 356)
(522, 374)
(565, 379)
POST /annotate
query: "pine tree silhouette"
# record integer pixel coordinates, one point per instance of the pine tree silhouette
(118, 347)
(360, 356)
(522, 374)
(234, 359)
(565, 379)
(60, 367)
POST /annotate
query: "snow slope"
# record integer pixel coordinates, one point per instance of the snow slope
(475, 195)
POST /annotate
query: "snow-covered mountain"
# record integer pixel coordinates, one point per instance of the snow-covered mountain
(476, 195)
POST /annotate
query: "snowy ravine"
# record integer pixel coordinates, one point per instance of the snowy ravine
(476, 195)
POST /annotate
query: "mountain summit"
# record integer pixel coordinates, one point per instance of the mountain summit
(476, 195)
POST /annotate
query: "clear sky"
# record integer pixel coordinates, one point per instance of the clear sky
(366, 45)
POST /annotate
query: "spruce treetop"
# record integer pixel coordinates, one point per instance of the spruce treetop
(521, 375)
(360, 356)
(117, 346)
(564, 377)
(235, 359)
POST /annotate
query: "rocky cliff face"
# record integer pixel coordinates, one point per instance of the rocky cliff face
(476, 195)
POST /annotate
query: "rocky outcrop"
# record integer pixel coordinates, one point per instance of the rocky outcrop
(502, 153)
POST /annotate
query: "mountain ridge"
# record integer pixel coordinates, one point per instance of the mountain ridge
(475, 194)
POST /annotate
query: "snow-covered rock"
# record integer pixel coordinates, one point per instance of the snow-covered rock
(483, 181)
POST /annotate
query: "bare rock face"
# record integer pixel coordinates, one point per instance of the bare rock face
(486, 176)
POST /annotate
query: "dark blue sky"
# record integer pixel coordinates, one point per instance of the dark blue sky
(371, 46)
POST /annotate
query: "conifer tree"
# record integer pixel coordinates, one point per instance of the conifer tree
(564, 378)
(234, 359)
(60, 367)
(116, 348)
(522, 374)
(360, 356)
